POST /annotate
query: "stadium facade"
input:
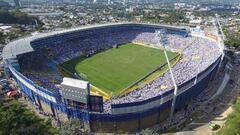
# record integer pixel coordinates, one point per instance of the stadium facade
(122, 117)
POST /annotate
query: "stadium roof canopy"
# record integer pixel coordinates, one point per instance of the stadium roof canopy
(17, 47)
(23, 45)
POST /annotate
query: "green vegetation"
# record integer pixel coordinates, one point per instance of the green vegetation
(153, 15)
(16, 17)
(115, 69)
(232, 126)
(164, 15)
(16, 120)
(72, 127)
(13, 34)
(2, 38)
(222, 13)
(233, 39)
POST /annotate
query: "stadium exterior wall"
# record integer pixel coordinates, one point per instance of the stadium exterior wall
(128, 117)
(35, 93)
(157, 109)
(156, 114)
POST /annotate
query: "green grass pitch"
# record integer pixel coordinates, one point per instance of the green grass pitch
(115, 69)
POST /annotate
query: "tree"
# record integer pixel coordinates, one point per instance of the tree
(232, 125)
(16, 120)
(232, 39)
(17, 17)
(72, 127)
(2, 38)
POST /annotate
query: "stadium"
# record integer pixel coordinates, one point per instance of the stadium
(114, 77)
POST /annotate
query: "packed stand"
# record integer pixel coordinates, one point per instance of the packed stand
(197, 55)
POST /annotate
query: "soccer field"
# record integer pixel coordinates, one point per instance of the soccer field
(115, 69)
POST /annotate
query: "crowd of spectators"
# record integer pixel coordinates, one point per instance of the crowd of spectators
(199, 104)
(197, 54)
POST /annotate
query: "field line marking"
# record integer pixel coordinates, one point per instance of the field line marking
(150, 78)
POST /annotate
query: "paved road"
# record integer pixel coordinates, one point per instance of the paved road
(216, 110)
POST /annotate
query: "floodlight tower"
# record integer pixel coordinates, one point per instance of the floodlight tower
(220, 26)
(221, 35)
(163, 41)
